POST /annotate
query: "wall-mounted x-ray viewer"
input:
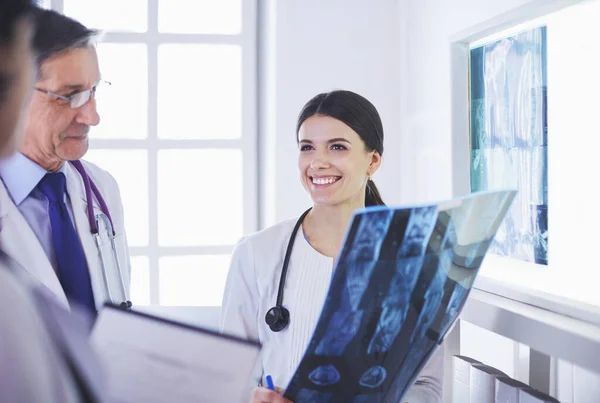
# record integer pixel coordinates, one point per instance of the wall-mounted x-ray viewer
(524, 110)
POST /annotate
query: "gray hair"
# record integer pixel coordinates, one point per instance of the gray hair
(56, 33)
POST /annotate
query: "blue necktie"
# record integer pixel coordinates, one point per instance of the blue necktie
(72, 266)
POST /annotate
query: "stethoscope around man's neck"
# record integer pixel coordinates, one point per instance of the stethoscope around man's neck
(91, 191)
(278, 317)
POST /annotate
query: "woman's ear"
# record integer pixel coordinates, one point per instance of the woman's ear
(375, 162)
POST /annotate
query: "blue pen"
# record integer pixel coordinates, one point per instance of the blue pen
(270, 383)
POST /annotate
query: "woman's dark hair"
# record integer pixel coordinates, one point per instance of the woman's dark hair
(11, 12)
(360, 115)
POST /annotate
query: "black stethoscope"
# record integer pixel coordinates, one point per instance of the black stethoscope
(278, 317)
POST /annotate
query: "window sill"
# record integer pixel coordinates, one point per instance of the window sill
(555, 334)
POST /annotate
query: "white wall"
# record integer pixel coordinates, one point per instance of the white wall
(425, 150)
(312, 46)
(425, 147)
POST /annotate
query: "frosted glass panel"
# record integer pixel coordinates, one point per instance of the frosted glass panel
(193, 280)
(509, 137)
(110, 15)
(199, 197)
(199, 91)
(123, 105)
(200, 16)
(140, 281)
(130, 170)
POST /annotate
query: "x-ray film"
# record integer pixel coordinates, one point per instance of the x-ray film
(400, 282)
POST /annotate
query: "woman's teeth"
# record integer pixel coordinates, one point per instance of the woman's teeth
(324, 181)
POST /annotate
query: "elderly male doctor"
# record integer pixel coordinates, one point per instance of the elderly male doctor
(43, 350)
(46, 225)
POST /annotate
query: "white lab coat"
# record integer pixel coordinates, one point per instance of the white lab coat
(20, 243)
(251, 290)
(31, 367)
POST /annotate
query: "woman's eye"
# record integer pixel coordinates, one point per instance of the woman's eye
(305, 148)
(338, 147)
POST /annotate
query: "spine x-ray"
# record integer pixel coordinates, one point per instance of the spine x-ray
(399, 284)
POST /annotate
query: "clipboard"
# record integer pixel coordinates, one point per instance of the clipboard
(154, 359)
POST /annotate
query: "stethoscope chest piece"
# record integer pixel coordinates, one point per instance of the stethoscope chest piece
(277, 318)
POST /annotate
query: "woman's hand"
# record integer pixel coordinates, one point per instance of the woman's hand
(264, 395)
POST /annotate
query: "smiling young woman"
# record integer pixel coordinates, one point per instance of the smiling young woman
(340, 141)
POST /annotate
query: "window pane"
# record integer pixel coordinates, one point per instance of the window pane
(193, 280)
(200, 16)
(130, 170)
(110, 15)
(140, 281)
(123, 105)
(199, 197)
(199, 91)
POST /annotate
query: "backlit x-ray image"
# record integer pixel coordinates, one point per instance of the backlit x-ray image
(365, 398)
(430, 303)
(313, 396)
(325, 375)
(395, 305)
(364, 252)
(399, 284)
(411, 362)
(373, 377)
(418, 231)
(508, 101)
(342, 327)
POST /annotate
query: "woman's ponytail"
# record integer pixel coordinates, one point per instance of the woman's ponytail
(372, 196)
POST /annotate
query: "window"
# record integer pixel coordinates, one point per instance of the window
(573, 62)
(178, 133)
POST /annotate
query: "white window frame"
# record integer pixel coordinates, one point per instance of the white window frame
(247, 143)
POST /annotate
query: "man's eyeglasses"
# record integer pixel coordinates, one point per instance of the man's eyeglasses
(76, 100)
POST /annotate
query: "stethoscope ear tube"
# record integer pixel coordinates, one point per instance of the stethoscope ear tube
(278, 317)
